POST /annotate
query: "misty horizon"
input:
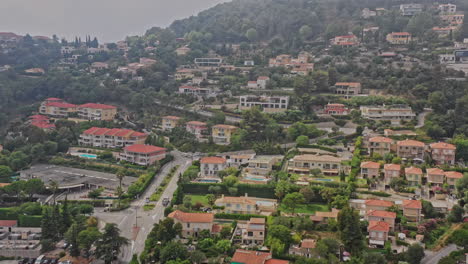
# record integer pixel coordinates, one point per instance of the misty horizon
(108, 20)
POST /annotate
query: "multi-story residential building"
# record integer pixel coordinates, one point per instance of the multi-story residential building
(347, 89)
(305, 249)
(382, 216)
(378, 232)
(254, 232)
(262, 81)
(183, 74)
(345, 41)
(453, 20)
(42, 122)
(141, 154)
(452, 177)
(242, 256)
(399, 38)
(299, 65)
(111, 138)
(197, 128)
(412, 210)
(222, 134)
(196, 91)
(56, 107)
(370, 169)
(170, 122)
(262, 165)
(377, 205)
(210, 166)
(447, 8)
(413, 176)
(410, 149)
(391, 171)
(444, 31)
(98, 66)
(93, 111)
(435, 176)
(411, 9)
(268, 104)
(182, 51)
(302, 164)
(379, 145)
(367, 13)
(237, 160)
(336, 109)
(246, 205)
(193, 223)
(443, 153)
(208, 62)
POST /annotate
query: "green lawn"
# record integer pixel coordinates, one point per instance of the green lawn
(198, 199)
(306, 208)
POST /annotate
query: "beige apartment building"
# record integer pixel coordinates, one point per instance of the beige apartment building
(262, 165)
(222, 134)
(435, 176)
(92, 111)
(413, 176)
(370, 169)
(410, 149)
(246, 205)
(170, 122)
(380, 145)
(111, 137)
(391, 171)
(302, 164)
(193, 223)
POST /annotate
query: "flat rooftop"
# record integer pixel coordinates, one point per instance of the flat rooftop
(68, 178)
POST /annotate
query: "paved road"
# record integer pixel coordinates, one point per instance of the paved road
(434, 257)
(126, 219)
(422, 117)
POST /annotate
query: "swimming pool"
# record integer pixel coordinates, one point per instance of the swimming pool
(325, 180)
(251, 178)
(208, 180)
(88, 156)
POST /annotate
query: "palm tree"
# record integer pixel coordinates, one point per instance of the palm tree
(120, 175)
(110, 244)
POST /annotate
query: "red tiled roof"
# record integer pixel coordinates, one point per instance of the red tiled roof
(225, 126)
(53, 99)
(213, 160)
(381, 139)
(370, 165)
(118, 132)
(352, 84)
(384, 214)
(410, 142)
(257, 221)
(382, 203)
(192, 217)
(8, 223)
(346, 36)
(38, 117)
(414, 204)
(435, 171)
(392, 167)
(140, 148)
(97, 106)
(196, 123)
(378, 226)
(171, 117)
(276, 261)
(42, 124)
(250, 257)
(61, 105)
(413, 170)
(453, 174)
(308, 243)
(401, 34)
(263, 78)
(442, 145)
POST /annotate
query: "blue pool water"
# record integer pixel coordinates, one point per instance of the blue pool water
(250, 178)
(88, 156)
(208, 181)
(325, 180)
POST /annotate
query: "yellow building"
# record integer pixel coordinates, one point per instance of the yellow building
(222, 134)
(56, 107)
(399, 38)
(92, 111)
(169, 122)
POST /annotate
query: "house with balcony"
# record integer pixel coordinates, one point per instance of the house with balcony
(268, 104)
(370, 169)
(195, 91)
(170, 122)
(380, 145)
(144, 155)
(391, 171)
(413, 176)
(262, 165)
(242, 256)
(412, 210)
(210, 166)
(252, 233)
(57, 107)
(197, 128)
(411, 9)
(238, 160)
(222, 134)
(377, 205)
(305, 249)
(399, 38)
(246, 205)
(382, 216)
(452, 177)
(324, 217)
(336, 109)
(193, 223)
(347, 89)
(111, 137)
(435, 176)
(453, 19)
(378, 233)
(302, 164)
(411, 149)
(393, 113)
(93, 111)
(443, 153)
(345, 41)
(447, 8)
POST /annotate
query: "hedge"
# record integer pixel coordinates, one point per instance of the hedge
(30, 220)
(381, 194)
(261, 191)
(238, 216)
(95, 203)
(8, 214)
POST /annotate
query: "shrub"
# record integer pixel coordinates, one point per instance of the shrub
(237, 216)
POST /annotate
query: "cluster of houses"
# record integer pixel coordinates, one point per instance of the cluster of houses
(19, 241)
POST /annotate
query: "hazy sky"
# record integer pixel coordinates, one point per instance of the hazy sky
(109, 20)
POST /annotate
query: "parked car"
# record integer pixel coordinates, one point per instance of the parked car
(165, 201)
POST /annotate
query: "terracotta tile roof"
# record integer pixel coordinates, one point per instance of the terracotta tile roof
(213, 160)
(252, 82)
(410, 143)
(39, 117)
(250, 257)
(352, 84)
(435, 171)
(401, 34)
(91, 130)
(378, 226)
(442, 145)
(346, 36)
(370, 165)
(216, 228)
(196, 123)
(414, 204)
(276, 261)
(257, 221)
(61, 105)
(413, 170)
(225, 126)
(146, 149)
(117, 132)
(97, 106)
(453, 174)
(263, 78)
(392, 167)
(192, 217)
(237, 200)
(381, 140)
(171, 117)
(379, 213)
(382, 203)
(42, 124)
(53, 99)
(308, 243)
(8, 223)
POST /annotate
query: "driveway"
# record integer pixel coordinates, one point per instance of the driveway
(434, 257)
